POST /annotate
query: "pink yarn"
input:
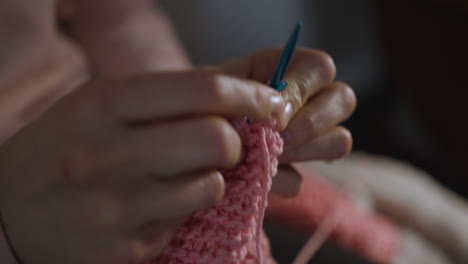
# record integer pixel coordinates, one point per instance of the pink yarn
(367, 234)
(231, 233)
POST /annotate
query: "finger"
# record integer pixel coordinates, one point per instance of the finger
(178, 94)
(173, 148)
(305, 78)
(177, 198)
(309, 71)
(335, 144)
(164, 150)
(328, 108)
(287, 182)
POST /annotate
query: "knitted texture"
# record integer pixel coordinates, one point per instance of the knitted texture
(231, 232)
(367, 234)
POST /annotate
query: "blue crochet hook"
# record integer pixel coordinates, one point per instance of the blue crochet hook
(286, 56)
(285, 59)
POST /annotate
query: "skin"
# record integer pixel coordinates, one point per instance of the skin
(113, 148)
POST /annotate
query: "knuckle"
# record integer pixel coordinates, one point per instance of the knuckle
(313, 123)
(226, 144)
(212, 88)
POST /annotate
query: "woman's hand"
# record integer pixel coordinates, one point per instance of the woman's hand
(316, 104)
(109, 172)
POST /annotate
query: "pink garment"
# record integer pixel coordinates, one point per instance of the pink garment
(6, 255)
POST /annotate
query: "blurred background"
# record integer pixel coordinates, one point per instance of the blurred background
(406, 61)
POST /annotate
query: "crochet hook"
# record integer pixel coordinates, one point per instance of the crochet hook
(285, 59)
(283, 63)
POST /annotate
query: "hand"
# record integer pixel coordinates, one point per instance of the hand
(432, 218)
(316, 105)
(109, 172)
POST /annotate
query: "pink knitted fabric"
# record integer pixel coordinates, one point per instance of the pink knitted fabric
(367, 234)
(231, 233)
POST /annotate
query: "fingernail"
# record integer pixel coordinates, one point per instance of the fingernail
(215, 191)
(286, 115)
(277, 104)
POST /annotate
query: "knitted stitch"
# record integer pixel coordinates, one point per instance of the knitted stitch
(231, 232)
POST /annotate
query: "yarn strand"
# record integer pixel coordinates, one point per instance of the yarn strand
(329, 223)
